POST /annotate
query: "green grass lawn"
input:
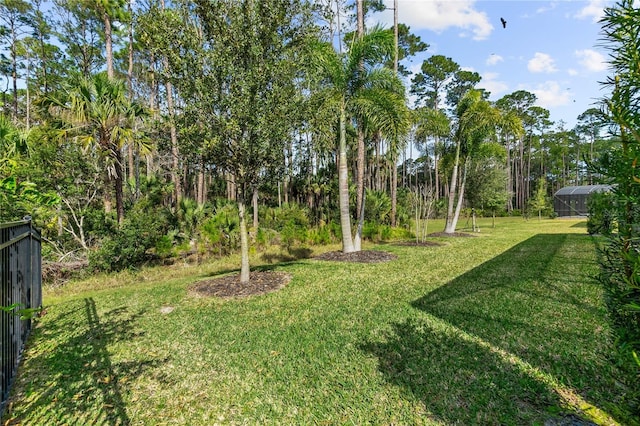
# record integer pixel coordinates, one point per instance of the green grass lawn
(506, 328)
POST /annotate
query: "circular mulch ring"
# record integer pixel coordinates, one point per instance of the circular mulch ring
(418, 244)
(230, 285)
(362, 256)
(452, 234)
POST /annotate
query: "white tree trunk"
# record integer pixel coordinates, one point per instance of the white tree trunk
(244, 242)
(343, 186)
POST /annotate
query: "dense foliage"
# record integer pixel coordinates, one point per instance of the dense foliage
(112, 104)
(620, 272)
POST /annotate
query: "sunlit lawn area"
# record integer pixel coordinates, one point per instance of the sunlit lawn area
(506, 328)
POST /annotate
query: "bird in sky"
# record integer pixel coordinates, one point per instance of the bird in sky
(504, 23)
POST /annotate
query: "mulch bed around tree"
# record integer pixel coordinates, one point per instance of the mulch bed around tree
(418, 244)
(362, 256)
(260, 282)
(453, 234)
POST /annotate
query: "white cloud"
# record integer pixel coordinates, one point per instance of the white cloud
(572, 72)
(592, 60)
(491, 83)
(551, 94)
(547, 8)
(541, 62)
(440, 15)
(594, 10)
(493, 59)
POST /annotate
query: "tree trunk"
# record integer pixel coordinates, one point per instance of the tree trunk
(343, 186)
(244, 242)
(131, 154)
(436, 172)
(450, 226)
(254, 203)
(456, 216)
(118, 182)
(509, 178)
(108, 44)
(359, 188)
(394, 191)
(175, 152)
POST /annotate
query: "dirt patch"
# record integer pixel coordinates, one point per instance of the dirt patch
(453, 234)
(230, 286)
(362, 256)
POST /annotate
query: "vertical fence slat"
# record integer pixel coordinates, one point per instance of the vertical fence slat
(21, 282)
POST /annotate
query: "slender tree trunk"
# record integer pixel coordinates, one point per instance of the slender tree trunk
(153, 96)
(254, 203)
(436, 170)
(131, 155)
(106, 195)
(14, 78)
(244, 242)
(394, 190)
(450, 226)
(108, 44)
(456, 215)
(118, 181)
(509, 178)
(175, 152)
(201, 188)
(343, 186)
(359, 188)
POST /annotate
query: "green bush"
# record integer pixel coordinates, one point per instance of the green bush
(222, 230)
(602, 213)
(131, 244)
(320, 236)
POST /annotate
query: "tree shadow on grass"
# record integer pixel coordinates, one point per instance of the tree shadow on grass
(68, 375)
(525, 330)
(458, 380)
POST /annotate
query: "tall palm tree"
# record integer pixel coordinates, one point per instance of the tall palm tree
(477, 119)
(355, 85)
(98, 113)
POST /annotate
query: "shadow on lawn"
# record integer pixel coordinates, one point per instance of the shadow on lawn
(498, 330)
(71, 378)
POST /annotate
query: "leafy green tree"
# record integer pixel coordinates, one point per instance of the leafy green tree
(430, 83)
(255, 45)
(540, 201)
(486, 184)
(78, 31)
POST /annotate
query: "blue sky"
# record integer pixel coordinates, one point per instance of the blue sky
(549, 48)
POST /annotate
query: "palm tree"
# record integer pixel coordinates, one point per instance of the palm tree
(98, 113)
(476, 120)
(356, 86)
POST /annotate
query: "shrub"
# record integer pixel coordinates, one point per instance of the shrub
(602, 213)
(132, 244)
(222, 230)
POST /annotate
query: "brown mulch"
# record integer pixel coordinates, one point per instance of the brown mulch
(453, 234)
(230, 285)
(418, 244)
(362, 256)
